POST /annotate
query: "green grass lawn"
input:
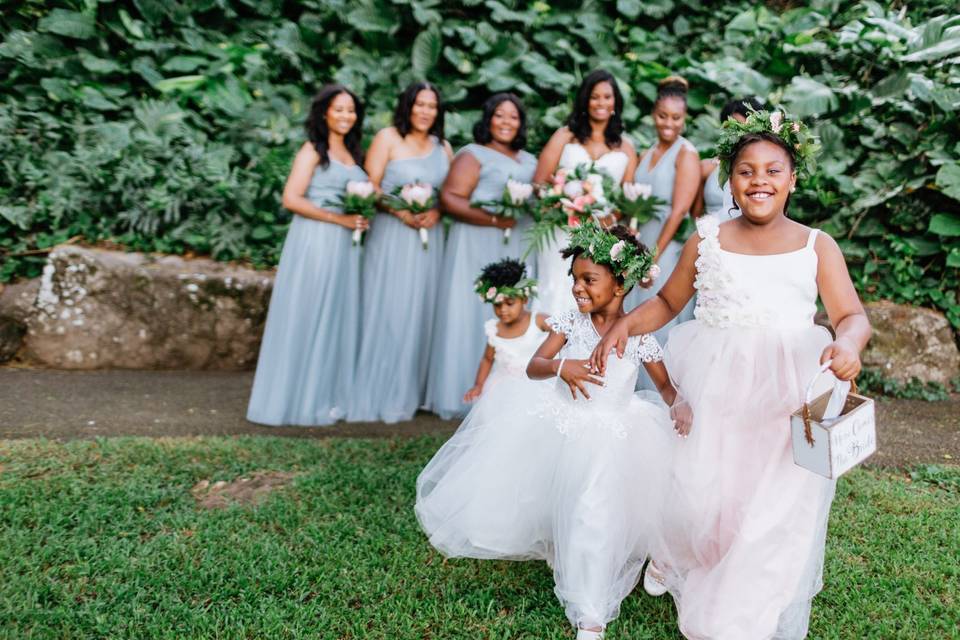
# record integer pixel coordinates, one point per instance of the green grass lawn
(104, 540)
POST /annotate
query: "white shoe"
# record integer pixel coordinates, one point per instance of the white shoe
(586, 634)
(654, 582)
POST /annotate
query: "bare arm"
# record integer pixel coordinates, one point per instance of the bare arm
(575, 373)
(843, 305)
(378, 155)
(294, 191)
(632, 160)
(685, 186)
(541, 319)
(655, 312)
(699, 206)
(658, 373)
(483, 372)
(457, 189)
(549, 158)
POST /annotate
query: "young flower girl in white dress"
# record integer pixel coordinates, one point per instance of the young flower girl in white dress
(744, 528)
(569, 471)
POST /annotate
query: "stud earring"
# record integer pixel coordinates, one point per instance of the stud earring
(792, 189)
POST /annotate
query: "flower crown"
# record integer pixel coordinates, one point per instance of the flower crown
(493, 293)
(793, 132)
(625, 259)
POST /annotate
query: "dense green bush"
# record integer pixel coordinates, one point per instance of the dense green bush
(170, 126)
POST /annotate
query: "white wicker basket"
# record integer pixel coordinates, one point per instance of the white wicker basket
(833, 447)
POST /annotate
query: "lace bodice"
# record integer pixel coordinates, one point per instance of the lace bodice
(613, 163)
(738, 290)
(607, 402)
(513, 354)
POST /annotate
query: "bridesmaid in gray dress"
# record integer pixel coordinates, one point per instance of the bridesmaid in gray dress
(715, 199)
(479, 172)
(400, 277)
(672, 168)
(306, 367)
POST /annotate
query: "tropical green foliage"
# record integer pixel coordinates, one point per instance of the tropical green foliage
(170, 125)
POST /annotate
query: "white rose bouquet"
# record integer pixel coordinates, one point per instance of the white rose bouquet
(636, 202)
(359, 198)
(416, 197)
(516, 201)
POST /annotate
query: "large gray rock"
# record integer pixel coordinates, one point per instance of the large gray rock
(108, 309)
(16, 307)
(911, 342)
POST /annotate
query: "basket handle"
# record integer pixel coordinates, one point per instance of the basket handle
(808, 397)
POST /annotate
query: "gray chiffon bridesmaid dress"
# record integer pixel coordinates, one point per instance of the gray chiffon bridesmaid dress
(400, 283)
(305, 370)
(458, 336)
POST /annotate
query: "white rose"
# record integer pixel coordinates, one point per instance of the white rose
(573, 189)
(360, 188)
(596, 184)
(417, 193)
(519, 192)
(500, 298)
(776, 121)
(654, 271)
(491, 293)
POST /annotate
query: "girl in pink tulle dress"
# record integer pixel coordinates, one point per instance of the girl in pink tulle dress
(742, 537)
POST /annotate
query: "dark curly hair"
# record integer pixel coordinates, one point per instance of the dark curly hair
(319, 133)
(504, 273)
(481, 130)
(405, 102)
(579, 120)
(622, 233)
(763, 136)
(672, 87)
(741, 106)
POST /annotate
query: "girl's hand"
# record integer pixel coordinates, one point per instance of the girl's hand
(578, 372)
(845, 356)
(501, 222)
(682, 415)
(428, 219)
(615, 338)
(353, 222)
(473, 393)
(407, 218)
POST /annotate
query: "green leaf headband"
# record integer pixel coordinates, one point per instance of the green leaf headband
(794, 133)
(624, 258)
(489, 292)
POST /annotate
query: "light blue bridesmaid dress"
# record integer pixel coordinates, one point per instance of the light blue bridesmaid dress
(400, 282)
(306, 366)
(458, 336)
(717, 200)
(661, 178)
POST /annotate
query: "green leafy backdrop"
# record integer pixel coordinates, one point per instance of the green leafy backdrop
(170, 125)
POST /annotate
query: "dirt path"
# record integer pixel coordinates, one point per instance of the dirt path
(86, 404)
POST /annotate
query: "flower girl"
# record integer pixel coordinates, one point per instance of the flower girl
(571, 474)
(515, 333)
(744, 527)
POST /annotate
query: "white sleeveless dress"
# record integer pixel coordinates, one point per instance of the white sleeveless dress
(533, 474)
(554, 282)
(744, 527)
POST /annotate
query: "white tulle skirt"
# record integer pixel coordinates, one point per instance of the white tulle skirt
(742, 539)
(510, 485)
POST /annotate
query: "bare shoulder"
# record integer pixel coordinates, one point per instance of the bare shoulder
(707, 166)
(308, 150)
(825, 245)
(561, 136)
(448, 148)
(627, 145)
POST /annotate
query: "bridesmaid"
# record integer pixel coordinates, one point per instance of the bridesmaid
(479, 172)
(593, 134)
(672, 168)
(306, 366)
(713, 198)
(400, 278)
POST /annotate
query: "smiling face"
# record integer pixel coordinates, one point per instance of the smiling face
(602, 102)
(594, 285)
(341, 114)
(505, 122)
(510, 310)
(761, 179)
(424, 111)
(669, 115)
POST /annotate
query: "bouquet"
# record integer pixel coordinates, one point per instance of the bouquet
(515, 202)
(637, 202)
(360, 199)
(570, 199)
(416, 197)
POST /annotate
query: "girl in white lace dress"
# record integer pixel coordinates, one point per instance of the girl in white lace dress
(573, 473)
(515, 333)
(743, 533)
